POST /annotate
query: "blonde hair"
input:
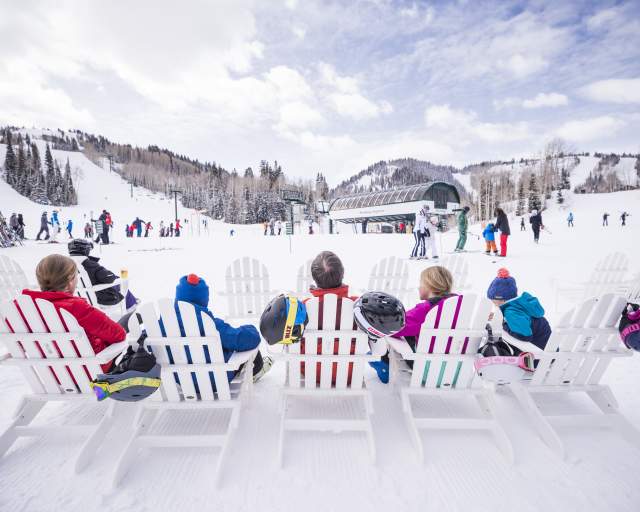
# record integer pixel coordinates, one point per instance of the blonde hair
(437, 279)
(55, 272)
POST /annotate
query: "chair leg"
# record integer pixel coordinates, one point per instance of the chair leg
(283, 419)
(27, 410)
(128, 455)
(606, 402)
(411, 426)
(488, 405)
(233, 425)
(92, 444)
(544, 428)
(368, 405)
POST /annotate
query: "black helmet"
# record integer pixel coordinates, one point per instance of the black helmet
(79, 247)
(283, 320)
(379, 314)
(135, 377)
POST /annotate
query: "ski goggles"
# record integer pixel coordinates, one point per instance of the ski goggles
(295, 316)
(524, 361)
(103, 390)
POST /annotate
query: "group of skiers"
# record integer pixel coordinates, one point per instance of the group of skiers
(103, 224)
(56, 227)
(424, 235)
(274, 225)
(17, 225)
(623, 218)
(169, 230)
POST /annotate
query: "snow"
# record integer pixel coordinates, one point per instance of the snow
(465, 181)
(581, 171)
(326, 472)
(626, 171)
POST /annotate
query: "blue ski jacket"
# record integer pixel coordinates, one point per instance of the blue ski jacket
(524, 320)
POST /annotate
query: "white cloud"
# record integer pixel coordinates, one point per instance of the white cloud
(613, 91)
(594, 128)
(357, 106)
(298, 115)
(552, 99)
(318, 142)
(330, 77)
(299, 31)
(604, 18)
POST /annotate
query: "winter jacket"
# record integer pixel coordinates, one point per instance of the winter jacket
(44, 222)
(100, 329)
(13, 221)
(414, 318)
(462, 222)
(536, 221)
(54, 218)
(69, 226)
(570, 217)
(489, 233)
(524, 320)
(234, 339)
(502, 224)
(100, 275)
(20, 220)
(421, 224)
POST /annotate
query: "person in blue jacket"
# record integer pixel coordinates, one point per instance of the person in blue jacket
(523, 316)
(194, 290)
(490, 239)
(70, 227)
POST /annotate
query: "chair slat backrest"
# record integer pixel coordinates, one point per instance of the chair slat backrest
(303, 278)
(84, 289)
(455, 327)
(12, 278)
(36, 330)
(247, 288)
(174, 350)
(331, 330)
(609, 274)
(391, 275)
(583, 343)
(459, 268)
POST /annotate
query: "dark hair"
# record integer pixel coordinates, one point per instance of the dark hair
(499, 212)
(327, 270)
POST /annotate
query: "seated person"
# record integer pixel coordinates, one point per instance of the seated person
(436, 284)
(523, 316)
(99, 275)
(195, 291)
(327, 272)
(57, 276)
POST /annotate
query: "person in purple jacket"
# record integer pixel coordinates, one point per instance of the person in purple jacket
(436, 284)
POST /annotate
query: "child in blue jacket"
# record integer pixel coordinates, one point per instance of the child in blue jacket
(523, 316)
(490, 239)
(195, 291)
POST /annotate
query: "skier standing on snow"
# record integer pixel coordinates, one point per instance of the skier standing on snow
(463, 224)
(171, 229)
(279, 227)
(605, 219)
(13, 223)
(88, 232)
(69, 227)
(161, 228)
(570, 220)
(44, 226)
(430, 240)
(502, 224)
(102, 229)
(623, 218)
(419, 235)
(147, 228)
(178, 227)
(21, 226)
(536, 223)
(522, 226)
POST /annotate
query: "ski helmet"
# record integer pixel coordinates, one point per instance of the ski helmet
(79, 247)
(502, 362)
(629, 326)
(134, 378)
(379, 314)
(283, 320)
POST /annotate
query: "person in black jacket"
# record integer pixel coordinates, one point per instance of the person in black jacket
(44, 226)
(502, 224)
(99, 275)
(536, 224)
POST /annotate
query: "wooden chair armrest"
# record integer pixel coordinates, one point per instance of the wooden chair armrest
(4, 355)
(123, 283)
(111, 352)
(401, 347)
(239, 358)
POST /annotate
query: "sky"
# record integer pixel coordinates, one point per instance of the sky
(327, 86)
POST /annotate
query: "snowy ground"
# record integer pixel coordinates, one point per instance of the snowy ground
(324, 472)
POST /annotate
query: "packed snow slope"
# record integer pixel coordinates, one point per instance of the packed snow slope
(464, 471)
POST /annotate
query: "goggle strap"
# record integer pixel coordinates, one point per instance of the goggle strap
(291, 321)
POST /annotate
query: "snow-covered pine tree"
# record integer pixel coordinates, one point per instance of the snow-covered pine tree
(39, 191)
(35, 171)
(21, 170)
(10, 162)
(50, 175)
(520, 208)
(559, 196)
(58, 190)
(534, 196)
(70, 195)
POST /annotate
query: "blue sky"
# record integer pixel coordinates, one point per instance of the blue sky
(328, 86)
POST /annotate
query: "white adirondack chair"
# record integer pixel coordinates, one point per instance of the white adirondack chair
(391, 275)
(57, 361)
(443, 366)
(331, 352)
(12, 278)
(582, 345)
(633, 291)
(197, 385)
(304, 279)
(459, 268)
(88, 291)
(247, 289)
(610, 275)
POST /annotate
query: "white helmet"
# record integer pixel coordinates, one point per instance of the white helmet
(534, 212)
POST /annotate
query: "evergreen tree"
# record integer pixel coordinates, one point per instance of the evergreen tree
(534, 196)
(521, 199)
(10, 163)
(559, 197)
(39, 191)
(35, 173)
(21, 171)
(58, 188)
(70, 195)
(50, 175)
(74, 145)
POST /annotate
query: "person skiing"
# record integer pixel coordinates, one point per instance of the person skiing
(70, 227)
(178, 227)
(55, 226)
(88, 232)
(431, 234)
(21, 226)
(623, 218)
(419, 235)
(272, 226)
(311, 226)
(102, 228)
(463, 224)
(522, 226)
(605, 219)
(171, 229)
(279, 226)
(44, 226)
(137, 224)
(502, 224)
(147, 227)
(490, 239)
(161, 228)
(265, 225)
(570, 220)
(13, 223)
(536, 224)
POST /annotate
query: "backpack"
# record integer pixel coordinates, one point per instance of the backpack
(629, 326)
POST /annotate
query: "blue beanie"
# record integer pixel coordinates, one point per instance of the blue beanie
(503, 287)
(193, 289)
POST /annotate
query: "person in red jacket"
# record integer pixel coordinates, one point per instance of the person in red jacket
(58, 276)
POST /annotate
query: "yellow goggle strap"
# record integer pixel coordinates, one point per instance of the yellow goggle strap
(119, 386)
(291, 319)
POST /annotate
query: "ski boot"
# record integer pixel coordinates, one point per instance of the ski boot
(267, 363)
